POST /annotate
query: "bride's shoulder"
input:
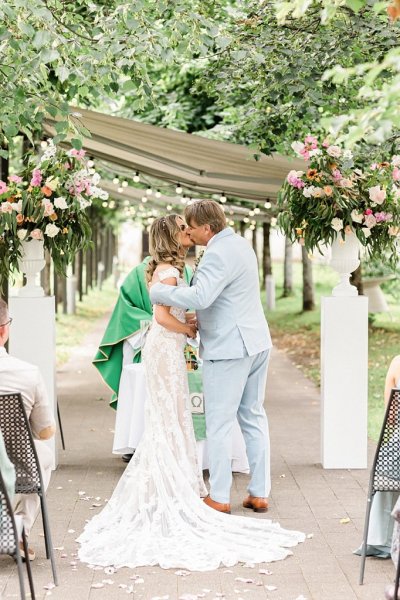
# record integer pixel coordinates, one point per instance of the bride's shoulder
(165, 271)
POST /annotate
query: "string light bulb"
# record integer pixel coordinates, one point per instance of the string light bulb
(257, 210)
(90, 163)
(124, 184)
(120, 189)
(267, 204)
(222, 198)
(245, 220)
(169, 207)
(251, 213)
(136, 177)
(115, 181)
(158, 194)
(144, 199)
(149, 191)
(179, 189)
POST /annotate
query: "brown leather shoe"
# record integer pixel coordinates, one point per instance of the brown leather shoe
(257, 504)
(224, 508)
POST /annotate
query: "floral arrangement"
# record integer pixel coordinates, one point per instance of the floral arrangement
(332, 196)
(48, 202)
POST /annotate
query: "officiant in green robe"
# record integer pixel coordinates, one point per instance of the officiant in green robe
(133, 306)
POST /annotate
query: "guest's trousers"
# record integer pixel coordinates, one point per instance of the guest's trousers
(235, 389)
(27, 505)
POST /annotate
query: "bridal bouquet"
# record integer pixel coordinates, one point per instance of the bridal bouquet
(48, 202)
(331, 197)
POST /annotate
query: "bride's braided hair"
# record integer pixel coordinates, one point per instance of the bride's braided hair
(164, 245)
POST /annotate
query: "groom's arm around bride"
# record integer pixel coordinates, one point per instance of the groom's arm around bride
(235, 346)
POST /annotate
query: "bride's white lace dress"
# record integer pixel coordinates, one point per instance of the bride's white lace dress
(156, 515)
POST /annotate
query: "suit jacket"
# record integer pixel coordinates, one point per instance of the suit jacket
(225, 293)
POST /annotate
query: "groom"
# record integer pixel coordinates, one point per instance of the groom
(235, 346)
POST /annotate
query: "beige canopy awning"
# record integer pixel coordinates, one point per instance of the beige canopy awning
(200, 164)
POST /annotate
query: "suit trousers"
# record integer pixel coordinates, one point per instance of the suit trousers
(235, 388)
(27, 505)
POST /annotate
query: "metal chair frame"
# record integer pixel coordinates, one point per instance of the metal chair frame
(21, 450)
(385, 471)
(10, 544)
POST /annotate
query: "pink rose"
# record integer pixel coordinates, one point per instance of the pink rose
(15, 178)
(336, 174)
(368, 212)
(396, 174)
(370, 221)
(3, 187)
(6, 207)
(36, 234)
(377, 194)
(48, 209)
(36, 178)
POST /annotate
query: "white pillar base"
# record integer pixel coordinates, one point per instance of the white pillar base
(33, 339)
(344, 382)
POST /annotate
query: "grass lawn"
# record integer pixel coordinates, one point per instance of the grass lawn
(71, 329)
(299, 335)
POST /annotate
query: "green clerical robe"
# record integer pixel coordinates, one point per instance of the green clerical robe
(132, 307)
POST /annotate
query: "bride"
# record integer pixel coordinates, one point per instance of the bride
(156, 515)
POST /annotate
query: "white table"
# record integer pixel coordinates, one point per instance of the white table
(129, 421)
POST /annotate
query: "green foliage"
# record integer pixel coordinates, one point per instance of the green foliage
(268, 77)
(55, 54)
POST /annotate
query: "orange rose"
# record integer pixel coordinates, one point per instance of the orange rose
(46, 191)
(312, 174)
(328, 190)
(53, 217)
(65, 230)
(20, 219)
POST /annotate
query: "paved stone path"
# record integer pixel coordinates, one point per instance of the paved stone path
(304, 497)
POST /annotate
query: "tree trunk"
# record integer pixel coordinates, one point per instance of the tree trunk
(308, 286)
(288, 269)
(356, 279)
(266, 262)
(242, 228)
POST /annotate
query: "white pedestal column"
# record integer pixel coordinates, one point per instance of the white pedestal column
(33, 339)
(344, 382)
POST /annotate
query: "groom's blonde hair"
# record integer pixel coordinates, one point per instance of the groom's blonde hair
(206, 212)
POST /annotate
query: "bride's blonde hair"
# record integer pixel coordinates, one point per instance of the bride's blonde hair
(164, 245)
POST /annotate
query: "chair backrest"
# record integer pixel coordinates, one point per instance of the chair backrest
(386, 466)
(20, 447)
(8, 530)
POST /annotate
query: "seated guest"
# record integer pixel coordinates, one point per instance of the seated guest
(7, 470)
(381, 521)
(17, 376)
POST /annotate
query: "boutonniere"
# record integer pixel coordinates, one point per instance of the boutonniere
(197, 261)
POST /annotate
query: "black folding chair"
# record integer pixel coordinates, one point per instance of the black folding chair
(385, 472)
(60, 427)
(11, 531)
(21, 450)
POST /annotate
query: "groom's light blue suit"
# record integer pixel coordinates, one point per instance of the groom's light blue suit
(234, 344)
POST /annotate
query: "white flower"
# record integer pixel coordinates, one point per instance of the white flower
(298, 147)
(356, 216)
(21, 233)
(83, 202)
(370, 221)
(60, 203)
(347, 155)
(17, 206)
(337, 224)
(396, 160)
(334, 151)
(315, 152)
(96, 179)
(309, 191)
(99, 193)
(366, 231)
(52, 183)
(396, 191)
(377, 195)
(51, 230)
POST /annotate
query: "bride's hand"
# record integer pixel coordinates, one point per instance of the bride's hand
(191, 330)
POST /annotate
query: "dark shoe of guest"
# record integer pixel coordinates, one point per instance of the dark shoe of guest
(31, 552)
(256, 503)
(224, 508)
(127, 457)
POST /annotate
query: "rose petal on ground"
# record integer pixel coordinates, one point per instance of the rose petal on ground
(58, 547)
(265, 572)
(108, 581)
(81, 493)
(188, 597)
(71, 530)
(282, 476)
(49, 586)
(228, 571)
(344, 521)
(249, 565)
(109, 570)
(244, 580)
(59, 487)
(271, 588)
(97, 586)
(182, 573)
(309, 536)
(139, 580)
